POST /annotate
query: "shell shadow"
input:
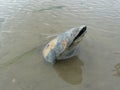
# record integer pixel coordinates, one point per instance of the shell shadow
(70, 70)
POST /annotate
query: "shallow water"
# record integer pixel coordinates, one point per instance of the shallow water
(26, 26)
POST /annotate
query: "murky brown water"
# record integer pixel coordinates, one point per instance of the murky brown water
(27, 25)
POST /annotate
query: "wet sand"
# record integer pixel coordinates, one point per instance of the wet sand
(26, 26)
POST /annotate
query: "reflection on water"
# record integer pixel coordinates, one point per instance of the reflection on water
(70, 70)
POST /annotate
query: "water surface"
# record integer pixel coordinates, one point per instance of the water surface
(26, 26)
